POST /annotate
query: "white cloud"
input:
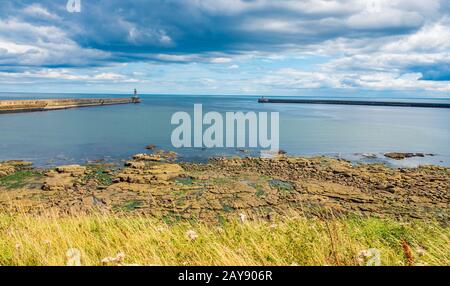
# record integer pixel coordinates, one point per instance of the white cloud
(311, 7)
(288, 79)
(36, 45)
(273, 25)
(67, 75)
(176, 58)
(144, 35)
(389, 18)
(431, 38)
(220, 60)
(38, 10)
(363, 47)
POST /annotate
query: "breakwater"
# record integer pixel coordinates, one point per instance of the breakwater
(357, 102)
(16, 106)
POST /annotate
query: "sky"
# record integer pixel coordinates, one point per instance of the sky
(249, 47)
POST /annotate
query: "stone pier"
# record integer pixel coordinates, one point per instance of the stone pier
(15, 106)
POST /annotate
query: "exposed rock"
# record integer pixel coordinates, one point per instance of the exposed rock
(150, 147)
(6, 170)
(129, 187)
(63, 178)
(156, 173)
(148, 157)
(402, 156)
(10, 167)
(74, 170)
(256, 187)
(60, 182)
(157, 157)
(167, 155)
(18, 163)
(135, 165)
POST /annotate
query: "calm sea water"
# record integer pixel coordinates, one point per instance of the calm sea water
(117, 132)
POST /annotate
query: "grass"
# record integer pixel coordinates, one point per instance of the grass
(129, 206)
(188, 181)
(282, 186)
(223, 181)
(19, 179)
(27, 240)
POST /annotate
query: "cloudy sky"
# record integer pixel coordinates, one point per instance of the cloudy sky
(272, 47)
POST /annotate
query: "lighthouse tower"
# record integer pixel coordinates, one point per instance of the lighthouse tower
(135, 98)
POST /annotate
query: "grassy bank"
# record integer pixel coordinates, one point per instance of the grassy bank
(26, 240)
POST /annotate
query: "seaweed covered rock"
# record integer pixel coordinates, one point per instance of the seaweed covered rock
(10, 167)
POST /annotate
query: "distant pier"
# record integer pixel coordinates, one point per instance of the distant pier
(17, 106)
(356, 102)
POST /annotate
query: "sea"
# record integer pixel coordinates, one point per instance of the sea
(361, 134)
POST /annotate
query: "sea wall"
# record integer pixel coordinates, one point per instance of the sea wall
(358, 102)
(12, 106)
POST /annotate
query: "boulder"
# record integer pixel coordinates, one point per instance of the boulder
(74, 170)
(150, 147)
(58, 183)
(135, 165)
(6, 170)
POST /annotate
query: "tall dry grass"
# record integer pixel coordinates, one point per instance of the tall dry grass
(27, 240)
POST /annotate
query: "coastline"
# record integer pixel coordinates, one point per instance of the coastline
(155, 210)
(225, 187)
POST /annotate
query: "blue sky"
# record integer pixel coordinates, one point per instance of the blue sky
(262, 47)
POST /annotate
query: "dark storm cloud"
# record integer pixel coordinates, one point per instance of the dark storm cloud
(133, 30)
(43, 34)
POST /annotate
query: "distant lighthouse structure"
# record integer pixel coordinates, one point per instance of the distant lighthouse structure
(135, 97)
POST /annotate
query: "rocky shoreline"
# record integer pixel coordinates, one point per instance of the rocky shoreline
(156, 184)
